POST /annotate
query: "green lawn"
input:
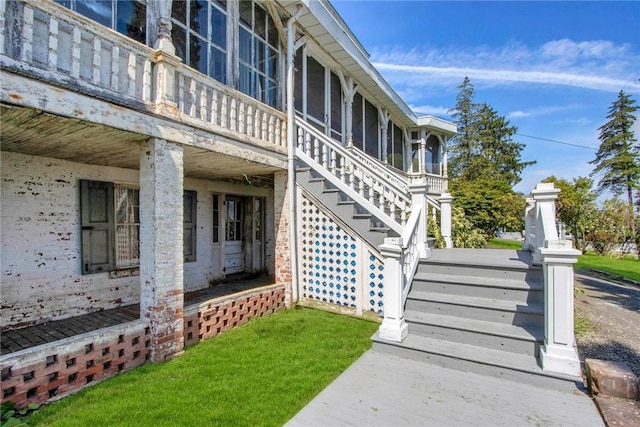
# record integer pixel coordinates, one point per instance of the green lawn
(628, 267)
(262, 373)
(503, 244)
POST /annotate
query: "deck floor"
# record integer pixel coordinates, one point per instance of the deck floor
(20, 339)
(386, 390)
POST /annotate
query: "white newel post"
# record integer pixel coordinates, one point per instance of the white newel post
(559, 353)
(418, 190)
(445, 219)
(529, 225)
(544, 195)
(393, 327)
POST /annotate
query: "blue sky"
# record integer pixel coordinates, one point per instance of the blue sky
(552, 68)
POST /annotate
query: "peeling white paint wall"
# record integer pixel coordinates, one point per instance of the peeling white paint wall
(41, 240)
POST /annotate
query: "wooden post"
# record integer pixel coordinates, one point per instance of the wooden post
(445, 219)
(394, 327)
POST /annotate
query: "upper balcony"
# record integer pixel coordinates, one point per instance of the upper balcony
(47, 43)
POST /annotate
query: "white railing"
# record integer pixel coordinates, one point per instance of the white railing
(380, 193)
(57, 45)
(557, 257)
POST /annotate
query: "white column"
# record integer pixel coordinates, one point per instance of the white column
(161, 250)
(383, 121)
(559, 353)
(445, 219)
(160, 25)
(394, 327)
(348, 92)
(418, 190)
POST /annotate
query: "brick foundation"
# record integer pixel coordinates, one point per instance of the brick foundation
(50, 371)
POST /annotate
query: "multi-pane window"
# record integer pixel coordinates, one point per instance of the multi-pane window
(366, 132)
(233, 220)
(395, 144)
(199, 33)
(128, 17)
(258, 54)
(216, 218)
(110, 216)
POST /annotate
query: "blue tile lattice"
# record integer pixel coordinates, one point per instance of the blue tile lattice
(336, 268)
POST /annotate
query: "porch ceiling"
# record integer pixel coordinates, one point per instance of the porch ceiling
(29, 131)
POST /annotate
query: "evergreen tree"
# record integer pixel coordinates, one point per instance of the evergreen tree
(464, 145)
(617, 161)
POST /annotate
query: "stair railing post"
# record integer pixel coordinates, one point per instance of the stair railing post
(529, 225)
(558, 353)
(418, 190)
(394, 327)
(544, 195)
(445, 219)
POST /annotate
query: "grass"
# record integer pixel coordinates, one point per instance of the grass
(582, 325)
(262, 373)
(503, 244)
(626, 267)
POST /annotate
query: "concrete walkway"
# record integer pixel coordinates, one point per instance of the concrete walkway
(386, 390)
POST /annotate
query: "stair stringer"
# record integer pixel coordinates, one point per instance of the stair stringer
(338, 270)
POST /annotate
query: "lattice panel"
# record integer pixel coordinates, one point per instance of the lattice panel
(330, 268)
(375, 285)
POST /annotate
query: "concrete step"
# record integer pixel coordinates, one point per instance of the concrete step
(481, 333)
(466, 357)
(487, 287)
(478, 308)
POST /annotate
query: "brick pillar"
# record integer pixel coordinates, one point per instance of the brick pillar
(161, 253)
(282, 249)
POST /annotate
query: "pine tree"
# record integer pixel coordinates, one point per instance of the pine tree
(617, 160)
(465, 144)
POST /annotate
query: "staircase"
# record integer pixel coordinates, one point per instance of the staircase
(480, 311)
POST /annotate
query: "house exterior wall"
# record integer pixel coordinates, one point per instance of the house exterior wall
(41, 240)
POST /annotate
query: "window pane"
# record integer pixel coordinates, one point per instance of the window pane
(245, 46)
(372, 130)
(258, 218)
(198, 14)
(336, 103)
(218, 28)
(357, 120)
(245, 13)
(260, 27)
(261, 56)
(131, 20)
(218, 65)
(179, 37)
(127, 227)
(179, 11)
(272, 32)
(272, 95)
(98, 10)
(216, 219)
(246, 84)
(272, 63)
(315, 89)
(398, 148)
(297, 76)
(198, 54)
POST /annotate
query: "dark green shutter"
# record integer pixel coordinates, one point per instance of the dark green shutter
(98, 226)
(190, 224)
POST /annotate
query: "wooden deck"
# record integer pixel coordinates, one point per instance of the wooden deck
(20, 339)
(386, 390)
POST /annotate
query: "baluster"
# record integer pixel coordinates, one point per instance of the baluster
(241, 118)
(325, 156)
(278, 136)
(115, 67)
(53, 45)
(352, 177)
(316, 150)
(372, 196)
(403, 212)
(181, 92)
(215, 119)
(271, 134)
(75, 53)
(27, 32)
(97, 50)
(223, 112)
(256, 124)
(382, 198)
(263, 127)
(300, 139)
(233, 125)
(131, 74)
(192, 97)
(146, 81)
(361, 183)
(3, 25)
(341, 169)
(333, 163)
(392, 208)
(203, 102)
(283, 133)
(250, 120)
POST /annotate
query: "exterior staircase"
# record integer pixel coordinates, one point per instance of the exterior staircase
(480, 311)
(351, 214)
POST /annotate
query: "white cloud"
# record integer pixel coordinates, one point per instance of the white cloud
(541, 111)
(598, 65)
(430, 110)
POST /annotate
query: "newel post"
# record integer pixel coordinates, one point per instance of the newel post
(418, 191)
(394, 327)
(559, 354)
(544, 196)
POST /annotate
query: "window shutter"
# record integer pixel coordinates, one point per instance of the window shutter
(98, 226)
(190, 223)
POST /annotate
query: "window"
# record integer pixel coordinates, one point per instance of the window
(233, 224)
(110, 216)
(128, 17)
(216, 218)
(366, 132)
(258, 53)
(199, 33)
(395, 144)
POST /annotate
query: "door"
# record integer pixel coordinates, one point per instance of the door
(234, 241)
